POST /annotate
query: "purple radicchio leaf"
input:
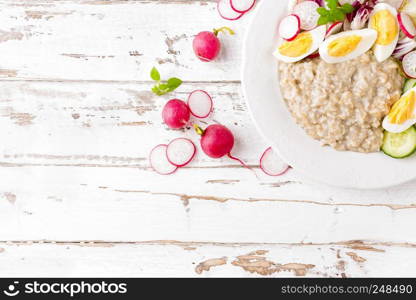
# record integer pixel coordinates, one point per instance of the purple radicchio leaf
(361, 13)
(320, 2)
(356, 4)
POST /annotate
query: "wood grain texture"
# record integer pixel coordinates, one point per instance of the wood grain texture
(112, 40)
(82, 158)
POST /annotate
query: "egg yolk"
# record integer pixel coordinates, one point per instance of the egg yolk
(385, 24)
(402, 110)
(344, 45)
(298, 47)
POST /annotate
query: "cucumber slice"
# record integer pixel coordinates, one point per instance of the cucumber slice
(399, 145)
(410, 83)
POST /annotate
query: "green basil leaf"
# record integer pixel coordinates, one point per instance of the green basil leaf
(347, 8)
(156, 90)
(337, 15)
(164, 87)
(332, 4)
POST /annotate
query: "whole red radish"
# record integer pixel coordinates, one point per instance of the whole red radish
(217, 141)
(176, 114)
(206, 44)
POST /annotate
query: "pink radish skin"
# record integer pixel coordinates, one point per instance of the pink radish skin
(227, 12)
(206, 44)
(217, 141)
(271, 164)
(334, 28)
(180, 152)
(289, 27)
(159, 161)
(176, 114)
(242, 6)
(200, 104)
(409, 64)
(406, 25)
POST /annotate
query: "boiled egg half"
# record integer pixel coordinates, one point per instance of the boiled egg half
(402, 114)
(302, 46)
(347, 45)
(383, 19)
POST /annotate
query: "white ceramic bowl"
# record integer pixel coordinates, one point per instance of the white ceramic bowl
(262, 93)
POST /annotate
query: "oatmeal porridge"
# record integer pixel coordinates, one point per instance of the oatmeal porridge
(342, 105)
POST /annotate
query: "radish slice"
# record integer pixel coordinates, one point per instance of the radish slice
(406, 25)
(409, 64)
(397, 4)
(291, 5)
(271, 164)
(200, 104)
(404, 46)
(333, 29)
(289, 27)
(227, 12)
(308, 14)
(242, 6)
(180, 152)
(159, 161)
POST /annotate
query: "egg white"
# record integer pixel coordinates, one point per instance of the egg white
(368, 36)
(382, 52)
(318, 36)
(397, 128)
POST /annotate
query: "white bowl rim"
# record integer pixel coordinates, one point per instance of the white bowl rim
(409, 175)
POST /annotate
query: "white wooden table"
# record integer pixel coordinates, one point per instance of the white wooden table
(78, 198)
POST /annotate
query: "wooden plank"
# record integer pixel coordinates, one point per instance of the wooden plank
(112, 40)
(73, 160)
(181, 259)
(128, 204)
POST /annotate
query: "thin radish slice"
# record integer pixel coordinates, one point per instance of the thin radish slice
(159, 162)
(409, 64)
(271, 164)
(403, 47)
(289, 27)
(242, 6)
(291, 5)
(406, 25)
(227, 12)
(180, 152)
(200, 104)
(333, 29)
(397, 4)
(308, 14)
